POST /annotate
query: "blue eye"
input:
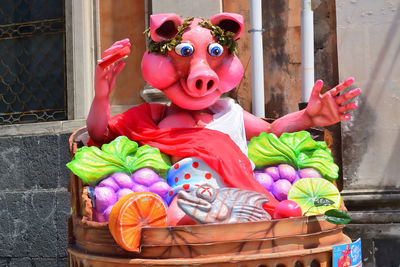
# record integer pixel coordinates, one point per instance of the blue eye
(184, 49)
(215, 49)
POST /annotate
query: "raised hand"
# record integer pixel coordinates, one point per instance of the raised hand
(105, 75)
(117, 51)
(330, 108)
(109, 66)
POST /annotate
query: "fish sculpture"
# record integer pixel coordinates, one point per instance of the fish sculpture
(207, 204)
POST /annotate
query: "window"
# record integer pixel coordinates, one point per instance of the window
(32, 61)
(48, 52)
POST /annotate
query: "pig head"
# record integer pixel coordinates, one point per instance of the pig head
(198, 70)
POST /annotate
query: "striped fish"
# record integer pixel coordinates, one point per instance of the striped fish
(207, 204)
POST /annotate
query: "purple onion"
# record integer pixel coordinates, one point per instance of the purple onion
(123, 180)
(287, 172)
(109, 182)
(105, 196)
(273, 172)
(123, 192)
(160, 188)
(99, 217)
(106, 213)
(297, 178)
(264, 179)
(145, 177)
(140, 188)
(309, 173)
(118, 185)
(280, 189)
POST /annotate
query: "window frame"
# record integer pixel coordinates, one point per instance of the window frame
(81, 53)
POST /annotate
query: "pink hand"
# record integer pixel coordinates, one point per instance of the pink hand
(106, 74)
(116, 52)
(329, 108)
(104, 79)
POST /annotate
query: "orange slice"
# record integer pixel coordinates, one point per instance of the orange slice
(131, 213)
(113, 217)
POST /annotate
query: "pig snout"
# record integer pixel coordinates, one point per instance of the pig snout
(202, 80)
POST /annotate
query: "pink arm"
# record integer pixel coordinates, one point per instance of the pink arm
(292, 122)
(105, 77)
(322, 110)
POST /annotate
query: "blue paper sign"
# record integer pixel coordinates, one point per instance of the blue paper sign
(347, 255)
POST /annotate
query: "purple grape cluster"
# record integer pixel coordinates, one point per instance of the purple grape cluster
(278, 179)
(111, 189)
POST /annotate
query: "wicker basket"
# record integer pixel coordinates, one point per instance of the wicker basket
(302, 241)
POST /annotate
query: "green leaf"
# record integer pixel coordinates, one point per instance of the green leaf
(120, 147)
(299, 141)
(297, 149)
(323, 145)
(337, 217)
(91, 164)
(317, 153)
(267, 150)
(121, 155)
(168, 45)
(149, 157)
(321, 201)
(321, 160)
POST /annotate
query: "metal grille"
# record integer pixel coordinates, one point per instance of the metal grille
(32, 61)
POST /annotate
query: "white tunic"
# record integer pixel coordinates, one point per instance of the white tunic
(228, 118)
(189, 173)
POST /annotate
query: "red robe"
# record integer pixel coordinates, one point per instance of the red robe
(215, 148)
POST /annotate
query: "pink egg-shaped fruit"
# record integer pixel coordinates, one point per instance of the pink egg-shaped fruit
(123, 192)
(309, 173)
(109, 182)
(273, 172)
(123, 180)
(264, 179)
(287, 172)
(287, 209)
(280, 189)
(105, 196)
(145, 177)
(160, 188)
(140, 188)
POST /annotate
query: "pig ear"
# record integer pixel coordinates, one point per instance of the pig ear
(229, 22)
(164, 26)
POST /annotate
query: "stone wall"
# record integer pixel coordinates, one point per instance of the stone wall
(368, 41)
(34, 200)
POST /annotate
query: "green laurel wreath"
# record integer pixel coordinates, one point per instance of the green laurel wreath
(222, 37)
(225, 38)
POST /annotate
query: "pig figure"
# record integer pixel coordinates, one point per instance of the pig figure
(193, 75)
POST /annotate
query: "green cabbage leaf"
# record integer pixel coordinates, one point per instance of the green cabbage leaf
(296, 149)
(92, 164)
